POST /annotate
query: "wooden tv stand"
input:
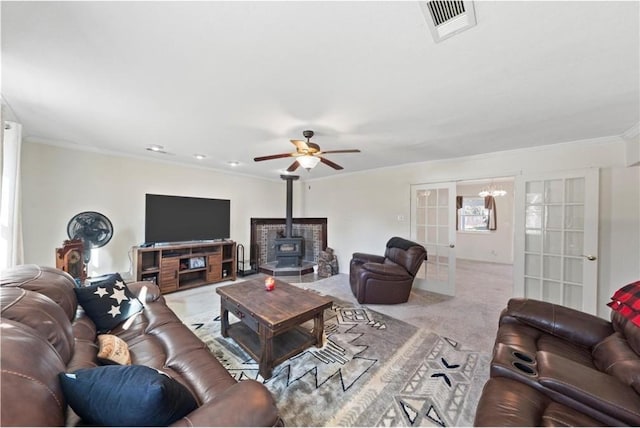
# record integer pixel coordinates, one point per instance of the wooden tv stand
(186, 265)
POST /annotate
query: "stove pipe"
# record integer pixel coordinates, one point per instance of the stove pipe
(289, 220)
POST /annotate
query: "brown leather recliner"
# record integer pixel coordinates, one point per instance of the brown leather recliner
(556, 366)
(386, 279)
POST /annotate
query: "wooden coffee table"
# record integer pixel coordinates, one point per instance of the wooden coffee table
(270, 321)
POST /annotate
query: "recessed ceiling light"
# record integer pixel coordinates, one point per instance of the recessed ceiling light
(199, 156)
(156, 148)
(233, 163)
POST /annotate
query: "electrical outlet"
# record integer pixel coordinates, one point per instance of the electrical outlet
(400, 217)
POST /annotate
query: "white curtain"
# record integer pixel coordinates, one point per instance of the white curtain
(11, 251)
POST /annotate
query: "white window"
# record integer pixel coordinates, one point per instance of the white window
(473, 216)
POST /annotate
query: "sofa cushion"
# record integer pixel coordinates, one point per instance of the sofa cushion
(126, 396)
(567, 324)
(39, 312)
(615, 357)
(108, 305)
(30, 391)
(407, 254)
(53, 283)
(531, 340)
(506, 402)
(629, 330)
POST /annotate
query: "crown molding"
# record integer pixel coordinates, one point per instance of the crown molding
(91, 149)
(632, 148)
(632, 133)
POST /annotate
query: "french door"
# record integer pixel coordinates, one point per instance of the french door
(433, 222)
(556, 238)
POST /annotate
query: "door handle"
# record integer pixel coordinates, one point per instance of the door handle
(590, 257)
(452, 246)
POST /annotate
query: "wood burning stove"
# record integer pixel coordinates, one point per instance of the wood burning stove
(289, 249)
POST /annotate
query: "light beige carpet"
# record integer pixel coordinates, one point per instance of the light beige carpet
(373, 370)
(467, 322)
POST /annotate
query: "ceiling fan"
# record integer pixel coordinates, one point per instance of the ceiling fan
(307, 154)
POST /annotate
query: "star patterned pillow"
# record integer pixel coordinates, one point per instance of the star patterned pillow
(108, 304)
(108, 279)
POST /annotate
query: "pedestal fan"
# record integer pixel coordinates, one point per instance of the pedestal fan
(92, 228)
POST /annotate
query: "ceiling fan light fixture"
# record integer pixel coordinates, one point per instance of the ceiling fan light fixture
(308, 162)
(307, 155)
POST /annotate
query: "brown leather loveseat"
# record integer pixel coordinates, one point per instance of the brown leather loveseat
(555, 366)
(44, 333)
(386, 279)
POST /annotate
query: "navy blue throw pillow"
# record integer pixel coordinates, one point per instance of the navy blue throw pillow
(108, 279)
(108, 304)
(126, 396)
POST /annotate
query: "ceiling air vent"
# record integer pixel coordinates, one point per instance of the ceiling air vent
(447, 18)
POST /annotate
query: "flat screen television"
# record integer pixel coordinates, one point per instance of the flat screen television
(181, 218)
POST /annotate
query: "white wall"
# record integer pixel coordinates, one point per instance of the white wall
(59, 183)
(492, 246)
(619, 237)
(633, 153)
(363, 207)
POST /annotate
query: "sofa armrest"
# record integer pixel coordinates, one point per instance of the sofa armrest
(388, 270)
(366, 258)
(153, 291)
(247, 403)
(591, 387)
(577, 327)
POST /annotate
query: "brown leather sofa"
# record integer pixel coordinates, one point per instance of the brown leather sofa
(555, 366)
(44, 332)
(386, 279)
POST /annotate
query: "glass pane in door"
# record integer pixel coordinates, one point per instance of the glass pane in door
(554, 218)
(433, 226)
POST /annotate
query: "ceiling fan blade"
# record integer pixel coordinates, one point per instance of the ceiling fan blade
(279, 156)
(300, 145)
(341, 151)
(293, 166)
(329, 163)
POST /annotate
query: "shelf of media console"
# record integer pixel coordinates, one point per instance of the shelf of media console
(194, 261)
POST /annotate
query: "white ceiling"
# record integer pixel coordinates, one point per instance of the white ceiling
(236, 80)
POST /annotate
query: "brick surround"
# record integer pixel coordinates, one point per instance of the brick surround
(265, 230)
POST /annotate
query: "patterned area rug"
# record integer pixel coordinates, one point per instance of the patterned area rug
(373, 370)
